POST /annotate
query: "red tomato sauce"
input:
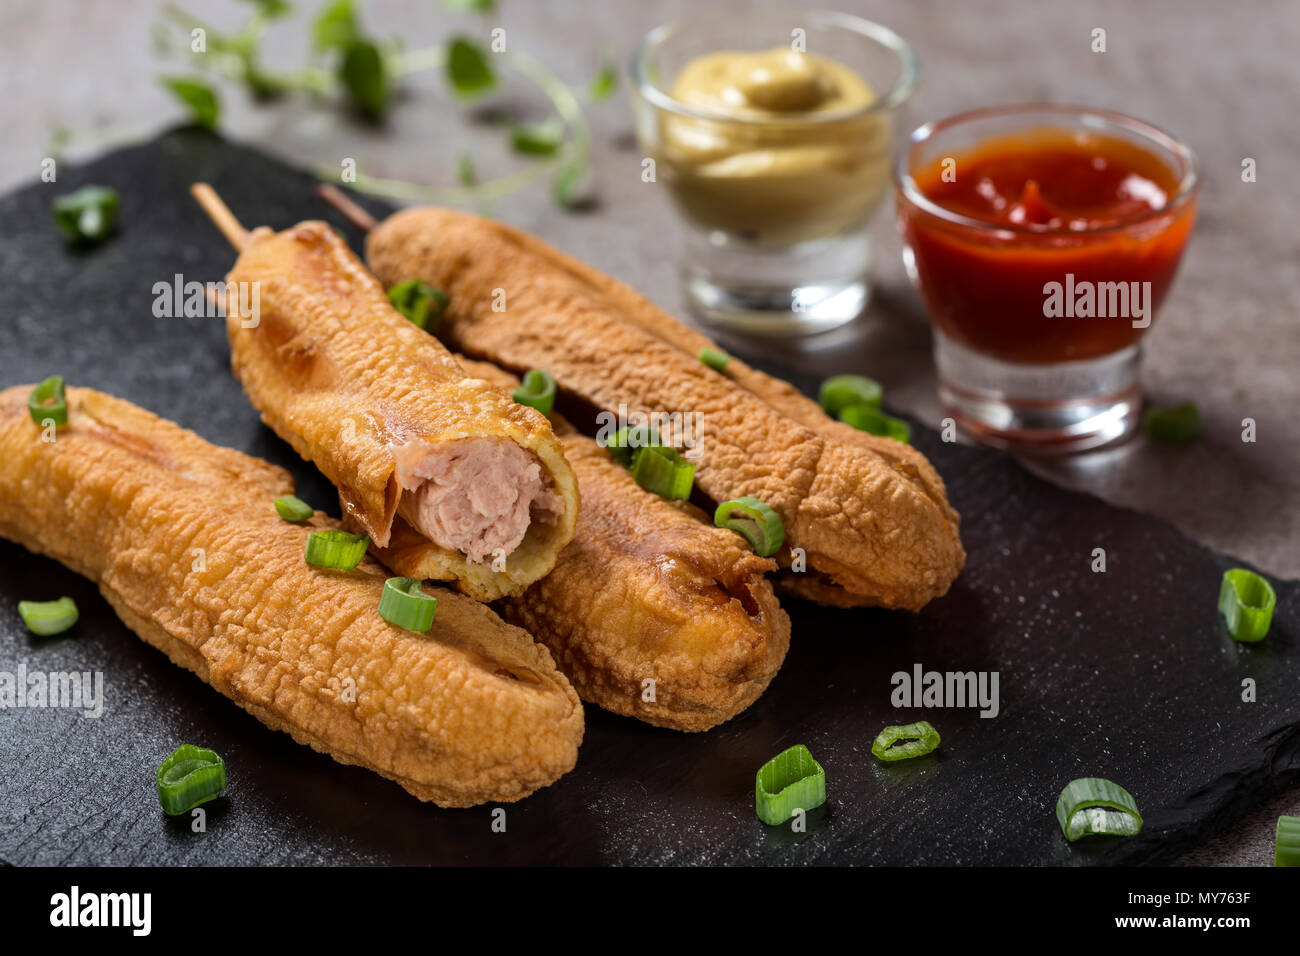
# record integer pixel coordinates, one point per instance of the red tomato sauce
(1074, 208)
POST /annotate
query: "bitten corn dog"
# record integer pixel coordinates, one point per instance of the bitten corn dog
(869, 515)
(182, 538)
(650, 612)
(410, 441)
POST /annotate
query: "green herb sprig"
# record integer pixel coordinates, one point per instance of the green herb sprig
(366, 71)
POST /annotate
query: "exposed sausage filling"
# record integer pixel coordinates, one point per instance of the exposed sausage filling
(475, 495)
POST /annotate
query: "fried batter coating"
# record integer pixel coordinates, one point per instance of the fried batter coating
(353, 386)
(869, 515)
(184, 542)
(646, 592)
(781, 395)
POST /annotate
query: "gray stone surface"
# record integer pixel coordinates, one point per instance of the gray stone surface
(1223, 77)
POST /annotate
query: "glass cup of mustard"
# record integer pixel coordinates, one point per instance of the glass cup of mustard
(773, 132)
(1043, 239)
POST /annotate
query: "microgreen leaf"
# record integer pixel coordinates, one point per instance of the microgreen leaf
(605, 83)
(262, 85)
(272, 8)
(540, 140)
(335, 26)
(199, 97)
(363, 76)
(565, 185)
(468, 70)
(470, 6)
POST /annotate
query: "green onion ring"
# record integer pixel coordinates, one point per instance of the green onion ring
(904, 741)
(790, 781)
(628, 439)
(537, 391)
(754, 521)
(1246, 602)
(49, 400)
(715, 359)
(418, 301)
(1094, 806)
(405, 604)
(47, 618)
(190, 776)
(663, 471)
(1172, 423)
(842, 391)
(336, 550)
(875, 422)
(87, 214)
(293, 509)
(1287, 850)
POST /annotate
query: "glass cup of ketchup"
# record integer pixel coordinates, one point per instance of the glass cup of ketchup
(1043, 239)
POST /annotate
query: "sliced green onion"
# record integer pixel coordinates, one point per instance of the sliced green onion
(905, 741)
(47, 618)
(1094, 806)
(1287, 850)
(190, 776)
(405, 604)
(875, 422)
(537, 391)
(1172, 423)
(628, 440)
(790, 781)
(842, 391)
(754, 521)
(418, 301)
(663, 471)
(87, 214)
(49, 400)
(293, 509)
(1246, 602)
(336, 550)
(714, 358)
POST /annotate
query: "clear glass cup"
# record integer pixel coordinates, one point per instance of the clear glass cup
(1012, 371)
(776, 208)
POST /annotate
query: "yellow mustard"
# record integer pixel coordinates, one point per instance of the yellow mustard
(757, 167)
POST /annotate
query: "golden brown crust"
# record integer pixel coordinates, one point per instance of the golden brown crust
(645, 592)
(185, 544)
(870, 516)
(338, 373)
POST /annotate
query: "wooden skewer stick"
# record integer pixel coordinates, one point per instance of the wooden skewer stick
(220, 215)
(350, 210)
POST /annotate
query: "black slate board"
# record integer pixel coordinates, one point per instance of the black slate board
(1127, 674)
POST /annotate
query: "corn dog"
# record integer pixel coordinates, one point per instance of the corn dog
(388, 416)
(184, 543)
